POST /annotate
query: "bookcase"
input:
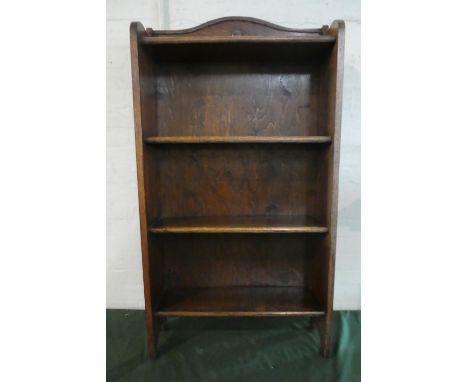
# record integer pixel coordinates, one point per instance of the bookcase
(237, 127)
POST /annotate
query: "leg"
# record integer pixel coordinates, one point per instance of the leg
(158, 324)
(153, 338)
(150, 336)
(326, 349)
(151, 348)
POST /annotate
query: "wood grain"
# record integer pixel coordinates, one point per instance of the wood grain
(237, 99)
(245, 180)
(224, 260)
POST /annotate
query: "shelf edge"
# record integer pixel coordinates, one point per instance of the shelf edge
(164, 40)
(180, 230)
(237, 140)
(180, 313)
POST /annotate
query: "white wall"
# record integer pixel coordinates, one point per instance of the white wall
(124, 273)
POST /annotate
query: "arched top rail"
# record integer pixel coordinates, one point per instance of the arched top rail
(236, 30)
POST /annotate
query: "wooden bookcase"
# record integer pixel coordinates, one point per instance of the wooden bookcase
(237, 125)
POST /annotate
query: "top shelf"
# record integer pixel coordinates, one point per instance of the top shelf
(159, 40)
(237, 139)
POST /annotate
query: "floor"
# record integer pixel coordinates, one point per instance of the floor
(231, 350)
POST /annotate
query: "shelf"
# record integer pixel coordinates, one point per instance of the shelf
(159, 40)
(247, 224)
(236, 139)
(239, 301)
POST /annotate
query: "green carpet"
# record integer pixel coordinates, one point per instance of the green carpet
(226, 349)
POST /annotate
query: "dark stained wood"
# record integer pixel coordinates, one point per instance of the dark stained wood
(136, 32)
(224, 260)
(235, 139)
(237, 130)
(241, 180)
(316, 39)
(239, 26)
(334, 69)
(239, 302)
(238, 224)
(237, 98)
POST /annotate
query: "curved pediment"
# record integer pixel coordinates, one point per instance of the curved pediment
(239, 26)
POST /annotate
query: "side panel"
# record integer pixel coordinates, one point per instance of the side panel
(335, 67)
(136, 32)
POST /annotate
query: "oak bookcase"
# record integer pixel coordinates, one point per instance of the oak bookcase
(237, 125)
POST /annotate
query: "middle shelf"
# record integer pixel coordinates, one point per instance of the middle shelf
(319, 139)
(243, 224)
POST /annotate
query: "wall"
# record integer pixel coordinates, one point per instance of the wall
(124, 274)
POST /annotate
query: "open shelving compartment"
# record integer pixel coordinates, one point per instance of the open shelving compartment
(237, 137)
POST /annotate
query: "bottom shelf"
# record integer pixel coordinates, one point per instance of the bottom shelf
(239, 301)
